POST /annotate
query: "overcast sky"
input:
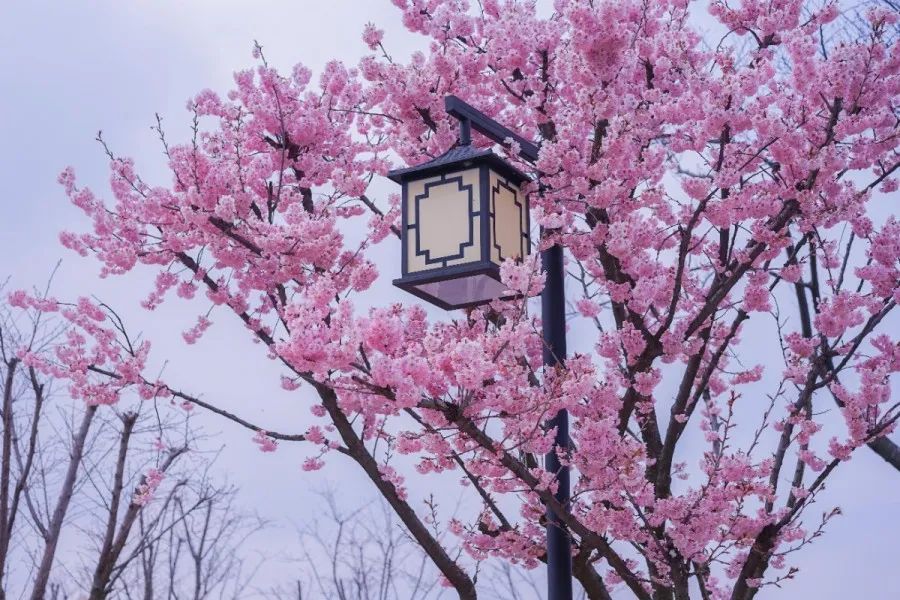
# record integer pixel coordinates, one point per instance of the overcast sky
(69, 69)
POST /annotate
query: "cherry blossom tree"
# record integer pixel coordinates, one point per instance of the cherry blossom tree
(710, 194)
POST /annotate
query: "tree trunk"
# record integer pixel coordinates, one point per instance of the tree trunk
(458, 578)
(105, 561)
(5, 467)
(42, 577)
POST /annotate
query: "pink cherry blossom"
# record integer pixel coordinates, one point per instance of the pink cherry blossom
(265, 443)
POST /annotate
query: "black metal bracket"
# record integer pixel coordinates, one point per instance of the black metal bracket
(471, 118)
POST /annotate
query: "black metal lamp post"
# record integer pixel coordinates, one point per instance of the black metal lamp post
(463, 213)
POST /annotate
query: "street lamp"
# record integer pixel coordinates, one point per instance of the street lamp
(463, 213)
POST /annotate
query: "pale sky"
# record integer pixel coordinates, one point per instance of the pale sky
(70, 69)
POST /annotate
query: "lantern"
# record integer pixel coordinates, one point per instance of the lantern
(463, 213)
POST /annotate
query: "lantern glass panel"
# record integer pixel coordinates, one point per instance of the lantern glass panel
(443, 220)
(509, 219)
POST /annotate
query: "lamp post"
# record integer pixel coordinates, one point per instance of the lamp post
(463, 213)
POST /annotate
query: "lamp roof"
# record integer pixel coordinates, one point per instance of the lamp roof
(459, 156)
